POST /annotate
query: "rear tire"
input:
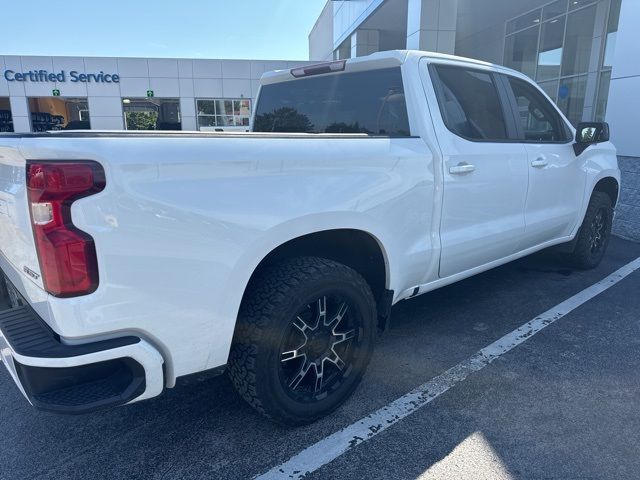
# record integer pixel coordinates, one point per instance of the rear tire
(303, 340)
(595, 231)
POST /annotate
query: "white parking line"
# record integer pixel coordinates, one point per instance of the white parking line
(329, 448)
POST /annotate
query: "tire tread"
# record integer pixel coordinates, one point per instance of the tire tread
(581, 257)
(266, 292)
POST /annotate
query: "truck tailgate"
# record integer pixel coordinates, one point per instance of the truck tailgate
(17, 244)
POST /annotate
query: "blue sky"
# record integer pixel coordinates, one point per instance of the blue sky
(246, 29)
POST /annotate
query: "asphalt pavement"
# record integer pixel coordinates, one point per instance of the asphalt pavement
(564, 404)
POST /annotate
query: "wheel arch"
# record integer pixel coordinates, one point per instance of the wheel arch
(610, 186)
(358, 249)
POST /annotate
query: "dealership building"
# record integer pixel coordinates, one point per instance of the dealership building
(585, 54)
(55, 93)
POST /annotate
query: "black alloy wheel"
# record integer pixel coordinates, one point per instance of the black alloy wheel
(319, 348)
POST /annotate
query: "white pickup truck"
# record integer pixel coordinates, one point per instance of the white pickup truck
(132, 259)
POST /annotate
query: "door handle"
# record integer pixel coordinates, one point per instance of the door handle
(540, 162)
(461, 169)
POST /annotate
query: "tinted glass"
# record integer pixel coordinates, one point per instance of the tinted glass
(603, 95)
(554, 9)
(371, 102)
(614, 16)
(539, 119)
(579, 39)
(524, 21)
(550, 88)
(574, 4)
(612, 29)
(550, 55)
(571, 95)
(521, 50)
(469, 104)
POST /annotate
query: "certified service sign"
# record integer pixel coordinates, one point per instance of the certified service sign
(61, 76)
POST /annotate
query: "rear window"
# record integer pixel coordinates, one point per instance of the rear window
(371, 102)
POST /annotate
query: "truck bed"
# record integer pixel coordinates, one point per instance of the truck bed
(185, 218)
(176, 134)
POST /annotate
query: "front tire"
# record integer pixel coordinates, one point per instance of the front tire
(594, 234)
(304, 338)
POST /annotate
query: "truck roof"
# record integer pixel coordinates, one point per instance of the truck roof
(389, 58)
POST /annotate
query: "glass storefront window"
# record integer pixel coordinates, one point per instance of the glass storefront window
(575, 4)
(521, 51)
(560, 60)
(59, 113)
(607, 63)
(551, 89)
(550, 55)
(151, 113)
(612, 29)
(214, 114)
(571, 97)
(609, 50)
(554, 9)
(524, 21)
(6, 119)
(343, 51)
(578, 42)
(603, 95)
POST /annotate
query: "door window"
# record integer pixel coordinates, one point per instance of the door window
(539, 119)
(470, 104)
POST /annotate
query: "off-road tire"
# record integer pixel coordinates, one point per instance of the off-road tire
(593, 236)
(267, 312)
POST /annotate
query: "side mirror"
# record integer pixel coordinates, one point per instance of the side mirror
(589, 133)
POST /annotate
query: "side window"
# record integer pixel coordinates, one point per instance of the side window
(540, 121)
(469, 103)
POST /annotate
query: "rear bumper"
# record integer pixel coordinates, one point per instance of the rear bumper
(63, 378)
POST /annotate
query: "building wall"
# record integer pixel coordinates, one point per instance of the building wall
(431, 25)
(624, 93)
(622, 114)
(348, 15)
(186, 79)
(321, 37)
(627, 221)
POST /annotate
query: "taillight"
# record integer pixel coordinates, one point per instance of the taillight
(67, 255)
